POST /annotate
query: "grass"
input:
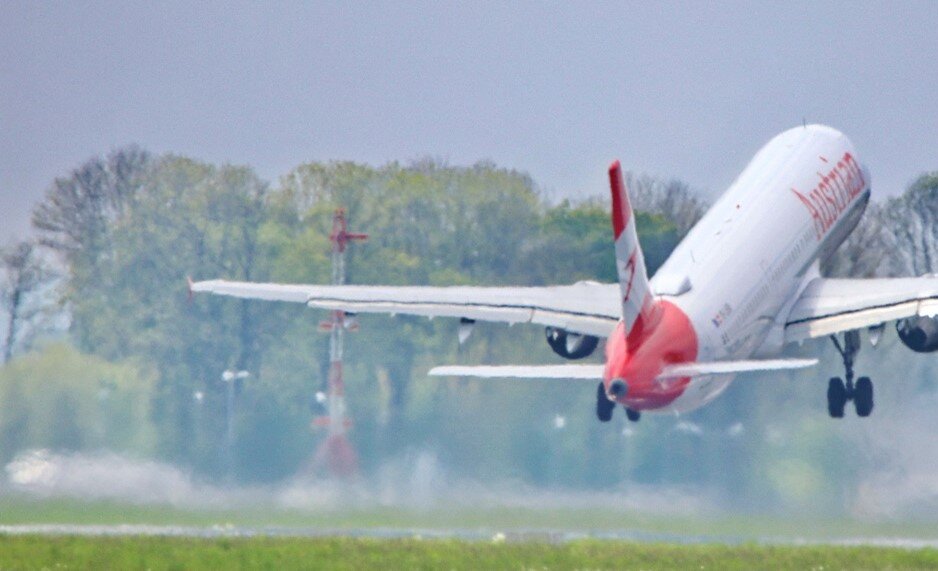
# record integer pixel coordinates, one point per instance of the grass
(70, 552)
(15, 509)
(150, 552)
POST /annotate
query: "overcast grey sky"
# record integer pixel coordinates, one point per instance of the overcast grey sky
(558, 90)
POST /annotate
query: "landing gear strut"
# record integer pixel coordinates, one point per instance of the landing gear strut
(604, 406)
(840, 391)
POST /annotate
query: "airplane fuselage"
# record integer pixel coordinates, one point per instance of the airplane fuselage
(726, 290)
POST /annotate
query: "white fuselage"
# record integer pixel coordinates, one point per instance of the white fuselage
(748, 258)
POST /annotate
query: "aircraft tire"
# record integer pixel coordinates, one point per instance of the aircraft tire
(633, 415)
(836, 397)
(604, 406)
(863, 397)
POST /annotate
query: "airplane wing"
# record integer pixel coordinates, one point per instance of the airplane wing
(833, 305)
(585, 307)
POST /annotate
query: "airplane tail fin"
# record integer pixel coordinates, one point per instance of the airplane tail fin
(639, 309)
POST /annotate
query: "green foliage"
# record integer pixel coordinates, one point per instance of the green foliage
(62, 399)
(429, 223)
(573, 243)
(924, 189)
(128, 298)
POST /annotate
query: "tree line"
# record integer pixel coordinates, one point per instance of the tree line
(102, 332)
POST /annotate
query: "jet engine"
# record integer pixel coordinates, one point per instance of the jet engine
(919, 334)
(571, 345)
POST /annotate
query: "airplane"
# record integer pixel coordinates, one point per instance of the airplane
(741, 286)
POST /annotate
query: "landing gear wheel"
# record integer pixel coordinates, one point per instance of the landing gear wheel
(839, 392)
(863, 397)
(632, 415)
(604, 406)
(836, 397)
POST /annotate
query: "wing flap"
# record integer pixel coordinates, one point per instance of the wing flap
(249, 290)
(833, 305)
(469, 311)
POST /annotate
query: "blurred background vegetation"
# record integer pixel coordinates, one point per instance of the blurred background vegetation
(104, 350)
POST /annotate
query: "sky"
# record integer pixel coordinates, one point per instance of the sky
(688, 90)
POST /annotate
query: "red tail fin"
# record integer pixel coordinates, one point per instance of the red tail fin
(638, 304)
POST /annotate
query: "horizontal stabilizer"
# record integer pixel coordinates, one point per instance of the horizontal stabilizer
(731, 367)
(595, 372)
(576, 372)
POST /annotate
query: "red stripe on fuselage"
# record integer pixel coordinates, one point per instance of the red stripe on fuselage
(621, 209)
(639, 357)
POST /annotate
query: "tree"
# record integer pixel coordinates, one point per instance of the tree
(188, 218)
(575, 241)
(867, 251)
(430, 223)
(24, 276)
(57, 397)
(895, 238)
(130, 229)
(671, 199)
(77, 214)
(912, 219)
(77, 219)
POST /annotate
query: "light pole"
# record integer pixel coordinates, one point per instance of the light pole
(230, 377)
(336, 451)
(198, 400)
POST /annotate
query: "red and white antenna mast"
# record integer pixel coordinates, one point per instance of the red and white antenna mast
(335, 451)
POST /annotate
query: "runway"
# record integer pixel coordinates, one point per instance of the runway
(484, 535)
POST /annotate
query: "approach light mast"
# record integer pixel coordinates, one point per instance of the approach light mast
(336, 451)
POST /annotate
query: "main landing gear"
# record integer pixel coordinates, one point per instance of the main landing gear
(604, 407)
(840, 391)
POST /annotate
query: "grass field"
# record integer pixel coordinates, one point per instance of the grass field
(536, 552)
(19, 510)
(34, 552)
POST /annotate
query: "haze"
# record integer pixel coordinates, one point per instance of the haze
(678, 90)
